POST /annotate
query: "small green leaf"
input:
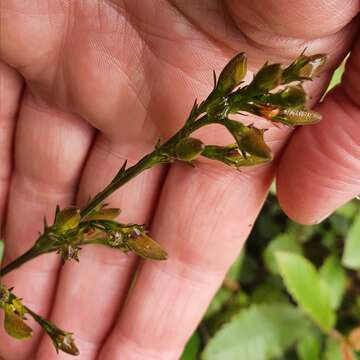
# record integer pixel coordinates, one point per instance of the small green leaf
(1, 250)
(334, 275)
(351, 256)
(258, 333)
(282, 242)
(192, 348)
(307, 288)
(332, 350)
(309, 346)
(349, 210)
(234, 271)
(267, 293)
(15, 325)
(338, 351)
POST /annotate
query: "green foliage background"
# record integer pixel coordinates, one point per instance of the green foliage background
(293, 293)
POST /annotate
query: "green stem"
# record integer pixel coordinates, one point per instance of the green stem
(22, 259)
(162, 154)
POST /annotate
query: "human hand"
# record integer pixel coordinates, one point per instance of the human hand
(103, 81)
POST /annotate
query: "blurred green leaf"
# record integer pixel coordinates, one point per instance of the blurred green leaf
(301, 233)
(1, 250)
(336, 78)
(272, 189)
(307, 288)
(266, 293)
(334, 275)
(192, 348)
(248, 270)
(351, 256)
(282, 242)
(340, 224)
(332, 350)
(221, 297)
(258, 333)
(234, 271)
(336, 351)
(348, 210)
(328, 239)
(309, 346)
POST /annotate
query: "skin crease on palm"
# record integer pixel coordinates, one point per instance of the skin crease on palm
(86, 84)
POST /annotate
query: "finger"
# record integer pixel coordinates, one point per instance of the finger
(203, 212)
(89, 307)
(50, 149)
(315, 179)
(10, 92)
(269, 30)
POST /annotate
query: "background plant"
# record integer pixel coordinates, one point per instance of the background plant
(293, 293)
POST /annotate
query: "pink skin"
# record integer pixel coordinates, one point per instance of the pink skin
(91, 83)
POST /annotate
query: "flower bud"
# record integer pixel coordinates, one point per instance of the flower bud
(253, 142)
(232, 75)
(146, 247)
(266, 79)
(294, 117)
(231, 156)
(103, 214)
(249, 139)
(304, 68)
(67, 219)
(61, 339)
(188, 149)
(64, 341)
(291, 96)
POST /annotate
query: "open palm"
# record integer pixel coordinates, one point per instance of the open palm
(87, 84)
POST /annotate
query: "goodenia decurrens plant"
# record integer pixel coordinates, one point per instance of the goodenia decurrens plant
(275, 94)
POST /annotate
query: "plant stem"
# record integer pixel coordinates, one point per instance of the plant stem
(162, 154)
(22, 259)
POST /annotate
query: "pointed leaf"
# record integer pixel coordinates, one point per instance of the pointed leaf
(309, 346)
(334, 275)
(258, 333)
(15, 326)
(192, 348)
(282, 242)
(307, 288)
(351, 257)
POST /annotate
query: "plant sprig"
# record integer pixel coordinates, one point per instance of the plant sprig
(275, 94)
